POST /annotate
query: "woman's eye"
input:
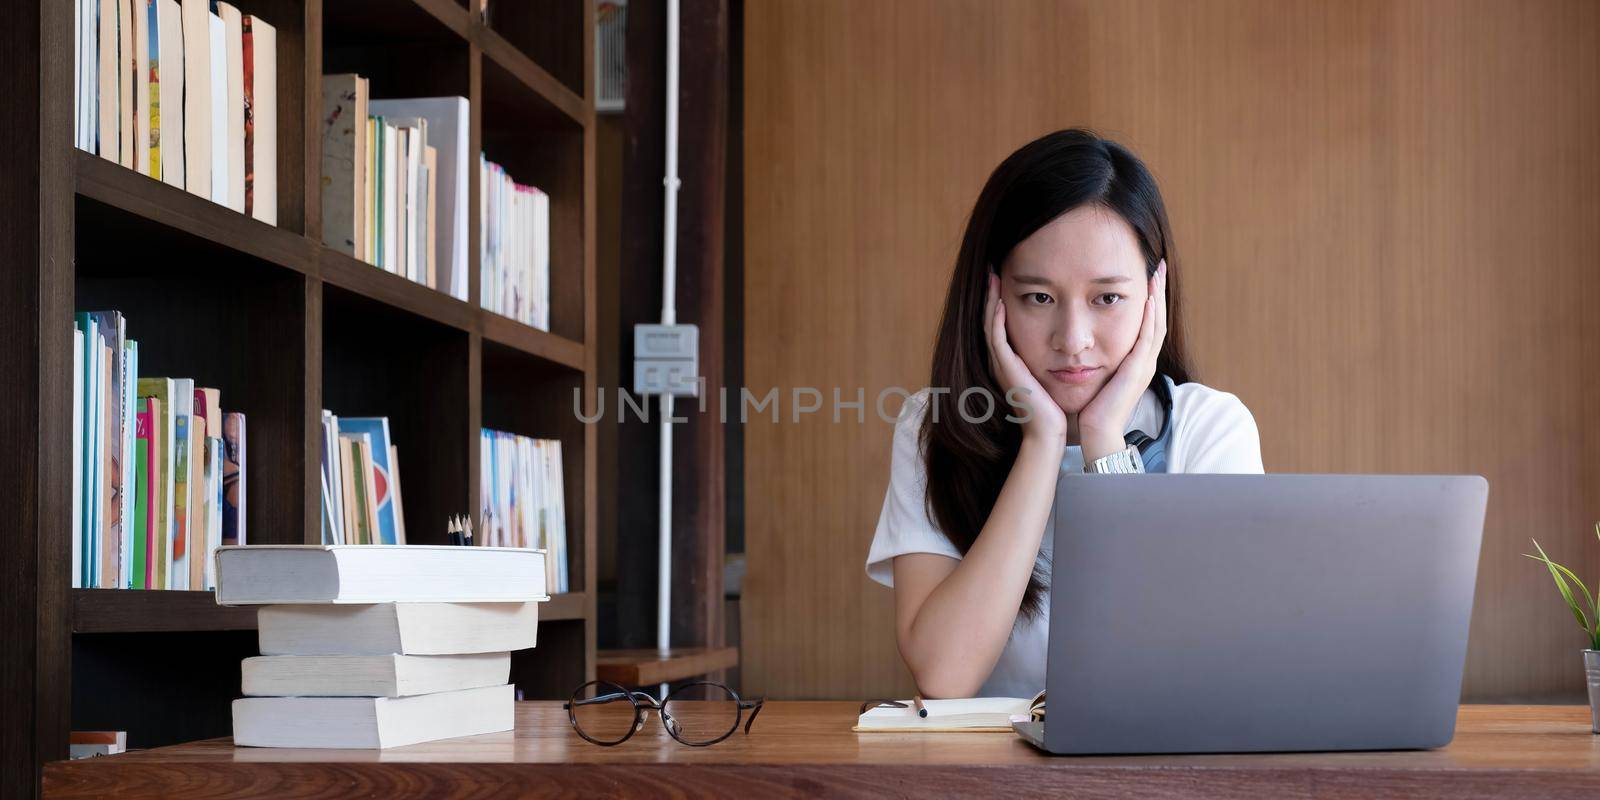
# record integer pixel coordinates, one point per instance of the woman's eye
(1110, 294)
(1039, 297)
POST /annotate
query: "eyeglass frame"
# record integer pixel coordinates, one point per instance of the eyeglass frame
(640, 714)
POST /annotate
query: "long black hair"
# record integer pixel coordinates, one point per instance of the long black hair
(968, 462)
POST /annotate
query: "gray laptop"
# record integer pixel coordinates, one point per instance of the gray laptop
(1251, 613)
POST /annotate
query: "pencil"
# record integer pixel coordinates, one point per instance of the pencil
(922, 711)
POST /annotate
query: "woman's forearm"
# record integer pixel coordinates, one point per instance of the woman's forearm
(957, 635)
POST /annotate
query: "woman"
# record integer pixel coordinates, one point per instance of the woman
(1063, 309)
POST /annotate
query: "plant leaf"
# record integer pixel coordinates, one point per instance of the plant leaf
(1566, 591)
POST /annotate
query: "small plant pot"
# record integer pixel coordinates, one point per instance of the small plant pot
(1591, 666)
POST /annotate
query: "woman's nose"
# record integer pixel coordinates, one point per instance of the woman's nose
(1072, 334)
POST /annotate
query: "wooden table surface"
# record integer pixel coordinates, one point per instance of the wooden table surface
(808, 749)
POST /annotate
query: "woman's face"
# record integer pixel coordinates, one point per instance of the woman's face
(1075, 295)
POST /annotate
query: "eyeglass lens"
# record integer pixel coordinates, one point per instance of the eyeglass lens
(701, 713)
(603, 712)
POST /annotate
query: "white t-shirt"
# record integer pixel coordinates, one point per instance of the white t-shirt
(1213, 432)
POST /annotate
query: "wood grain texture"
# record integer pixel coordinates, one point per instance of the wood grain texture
(807, 749)
(1384, 212)
(124, 611)
(649, 667)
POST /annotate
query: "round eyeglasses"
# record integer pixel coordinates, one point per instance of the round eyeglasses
(607, 714)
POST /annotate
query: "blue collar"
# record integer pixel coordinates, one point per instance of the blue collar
(1152, 450)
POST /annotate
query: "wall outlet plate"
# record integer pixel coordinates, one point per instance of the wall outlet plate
(666, 360)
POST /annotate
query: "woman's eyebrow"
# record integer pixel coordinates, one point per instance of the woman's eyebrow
(1038, 281)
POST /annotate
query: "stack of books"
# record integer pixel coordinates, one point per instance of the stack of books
(375, 646)
(394, 182)
(520, 498)
(186, 93)
(360, 482)
(515, 244)
(158, 469)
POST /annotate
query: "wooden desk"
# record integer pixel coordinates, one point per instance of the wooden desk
(807, 749)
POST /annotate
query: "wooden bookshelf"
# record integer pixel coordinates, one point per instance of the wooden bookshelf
(285, 327)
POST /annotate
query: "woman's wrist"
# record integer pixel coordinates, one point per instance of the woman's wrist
(1097, 445)
(1044, 444)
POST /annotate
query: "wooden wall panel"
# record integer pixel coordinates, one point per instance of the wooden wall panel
(1385, 214)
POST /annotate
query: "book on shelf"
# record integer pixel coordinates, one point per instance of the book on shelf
(259, 60)
(344, 148)
(148, 486)
(394, 182)
(280, 574)
(360, 477)
(446, 121)
(371, 722)
(77, 459)
(385, 675)
(521, 498)
(171, 90)
(408, 628)
(514, 239)
(169, 17)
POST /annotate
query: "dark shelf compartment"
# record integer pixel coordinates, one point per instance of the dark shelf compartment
(549, 157)
(564, 606)
(533, 397)
(382, 22)
(126, 207)
(379, 361)
(549, 33)
(227, 321)
(140, 611)
(413, 48)
(551, 670)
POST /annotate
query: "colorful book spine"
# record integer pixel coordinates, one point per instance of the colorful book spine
(141, 497)
(233, 479)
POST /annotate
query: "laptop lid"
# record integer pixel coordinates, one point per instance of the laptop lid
(1241, 613)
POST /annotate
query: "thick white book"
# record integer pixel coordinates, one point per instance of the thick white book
(371, 722)
(170, 17)
(269, 574)
(218, 82)
(391, 675)
(263, 70)
(448, 124)
(400, 628)
(106, 86)
(197, 96)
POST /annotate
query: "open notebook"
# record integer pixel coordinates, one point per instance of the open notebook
(969, 714)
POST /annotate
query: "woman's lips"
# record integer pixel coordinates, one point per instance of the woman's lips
(1080, 376)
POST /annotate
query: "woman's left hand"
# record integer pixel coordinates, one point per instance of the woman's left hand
(1102, 422)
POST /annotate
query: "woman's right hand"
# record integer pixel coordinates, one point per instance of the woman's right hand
(1045, 421)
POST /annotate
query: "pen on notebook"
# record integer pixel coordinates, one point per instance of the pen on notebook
(922, 711)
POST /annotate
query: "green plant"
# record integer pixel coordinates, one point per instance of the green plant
(1589, 622)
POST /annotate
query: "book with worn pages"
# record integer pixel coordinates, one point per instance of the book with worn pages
(371, 722)
(968, 714)
(273, 574)
(391, 675)
(404, 628)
